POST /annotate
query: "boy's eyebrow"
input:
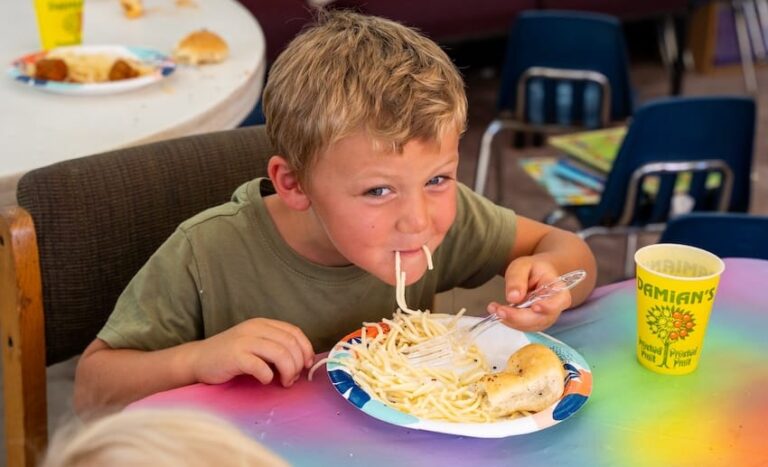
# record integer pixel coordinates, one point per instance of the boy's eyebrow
(368, 173)
(453, 158)
(452, 161)
(389, 171)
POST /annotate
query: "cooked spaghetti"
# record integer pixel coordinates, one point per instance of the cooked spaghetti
(381, 369)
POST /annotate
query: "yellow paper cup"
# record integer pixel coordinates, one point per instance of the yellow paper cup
(676, 286)
(60, 22)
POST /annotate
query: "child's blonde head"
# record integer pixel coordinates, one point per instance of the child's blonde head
(354, 73)
(163, 438)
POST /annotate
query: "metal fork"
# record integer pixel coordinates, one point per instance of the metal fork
(440, 349)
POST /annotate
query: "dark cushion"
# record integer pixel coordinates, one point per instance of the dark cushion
(99, 218)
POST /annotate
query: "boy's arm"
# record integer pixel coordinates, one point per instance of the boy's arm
(539, 255)
(108, 377)
(112, 378)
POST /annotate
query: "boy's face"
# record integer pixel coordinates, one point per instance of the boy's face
(369, 204)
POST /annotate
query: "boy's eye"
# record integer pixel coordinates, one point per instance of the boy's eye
(438, 180)
(377, 192)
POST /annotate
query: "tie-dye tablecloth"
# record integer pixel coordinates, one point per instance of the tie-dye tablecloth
(717, 415)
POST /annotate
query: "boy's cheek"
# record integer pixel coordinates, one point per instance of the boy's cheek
(443, 210)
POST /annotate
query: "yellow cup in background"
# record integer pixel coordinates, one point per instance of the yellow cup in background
(60, 22)
(676, 286)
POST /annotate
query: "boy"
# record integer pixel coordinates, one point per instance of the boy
(365, 115)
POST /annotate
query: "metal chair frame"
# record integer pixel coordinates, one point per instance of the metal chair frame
(519, 123)
(624, 225)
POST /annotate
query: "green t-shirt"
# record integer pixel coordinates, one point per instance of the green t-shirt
(229, 263)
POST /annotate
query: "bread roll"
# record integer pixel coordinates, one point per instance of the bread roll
(201, 47)
(132, 8)
(533, 380)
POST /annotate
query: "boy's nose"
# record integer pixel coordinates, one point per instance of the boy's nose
(414, 215)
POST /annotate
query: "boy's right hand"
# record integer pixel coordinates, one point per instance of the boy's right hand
(253, 347)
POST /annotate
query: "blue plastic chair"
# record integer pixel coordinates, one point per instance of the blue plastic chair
(666, 138)
(563, 71)
(728, 235)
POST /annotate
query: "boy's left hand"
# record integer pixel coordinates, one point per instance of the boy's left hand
(521, 277)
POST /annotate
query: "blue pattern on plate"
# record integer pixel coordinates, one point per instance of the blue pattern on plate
(568, 405)
(571, 372)
(348, 388)
(561, 350)
(164, 65)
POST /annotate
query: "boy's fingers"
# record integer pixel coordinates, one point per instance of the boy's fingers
(516, 284)
(528, 321)
(284, 338)
(258, 368)
(285, 357)
(559, 301)
(524, 319)
(283, 354)
(308, 353)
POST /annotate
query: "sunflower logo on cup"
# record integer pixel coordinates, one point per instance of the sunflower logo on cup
(671, 324)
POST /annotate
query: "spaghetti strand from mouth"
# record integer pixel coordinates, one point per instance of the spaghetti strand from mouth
(400, 278)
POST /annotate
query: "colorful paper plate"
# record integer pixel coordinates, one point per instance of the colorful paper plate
(161, 67)
(498, 343)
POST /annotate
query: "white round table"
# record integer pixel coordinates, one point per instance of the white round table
(38, 128)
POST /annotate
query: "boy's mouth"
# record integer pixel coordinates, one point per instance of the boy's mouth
(411, 251)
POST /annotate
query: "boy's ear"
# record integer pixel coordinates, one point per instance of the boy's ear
(287, 184)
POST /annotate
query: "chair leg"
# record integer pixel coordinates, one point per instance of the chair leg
(667, 41)
(555, 216)
(632, 236)
(762, 17)
(754, 29)
(629, 258)
(481, 174)
(745, 49)
(500, 169)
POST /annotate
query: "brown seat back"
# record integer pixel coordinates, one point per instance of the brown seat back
(99, 218)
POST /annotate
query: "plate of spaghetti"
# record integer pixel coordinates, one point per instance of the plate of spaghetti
(92, 69)
(506, 383)
(369, 371)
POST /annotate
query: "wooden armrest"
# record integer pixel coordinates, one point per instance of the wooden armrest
(23, 339)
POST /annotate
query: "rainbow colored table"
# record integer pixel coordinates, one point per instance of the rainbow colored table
(717, 415)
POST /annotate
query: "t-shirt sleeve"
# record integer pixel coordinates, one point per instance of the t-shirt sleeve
(160, 307)
(478, 244)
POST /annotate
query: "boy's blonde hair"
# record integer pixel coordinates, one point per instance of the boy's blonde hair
(350, 73)
(161, 437)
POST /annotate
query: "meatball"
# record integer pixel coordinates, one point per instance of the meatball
(122, 70)
(52, 69)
